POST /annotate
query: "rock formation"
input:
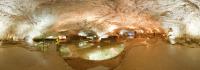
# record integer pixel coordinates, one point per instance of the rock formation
(30, 18)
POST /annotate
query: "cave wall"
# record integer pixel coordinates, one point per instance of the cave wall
(31, 18)
(180, 15)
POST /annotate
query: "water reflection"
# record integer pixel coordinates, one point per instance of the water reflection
(91, 51)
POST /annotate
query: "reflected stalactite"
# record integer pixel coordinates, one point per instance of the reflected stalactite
(91, 52)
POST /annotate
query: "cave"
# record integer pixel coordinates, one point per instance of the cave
(99, 34)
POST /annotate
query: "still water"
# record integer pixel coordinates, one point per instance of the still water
(90, 51)
(136, 54)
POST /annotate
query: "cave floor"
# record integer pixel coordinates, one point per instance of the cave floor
(139, 54)
(159, 55)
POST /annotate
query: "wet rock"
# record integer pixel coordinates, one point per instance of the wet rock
(127, 33)
(89, 34)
